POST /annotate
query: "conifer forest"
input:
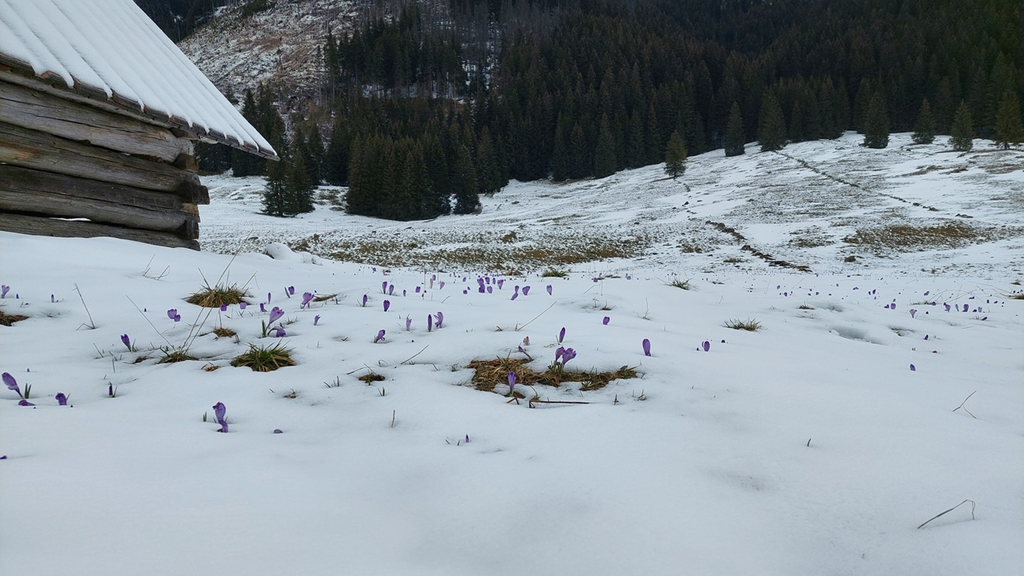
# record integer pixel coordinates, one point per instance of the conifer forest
(424, 106)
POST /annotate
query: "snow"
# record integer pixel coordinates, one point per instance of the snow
(806, 447)
(111, 46)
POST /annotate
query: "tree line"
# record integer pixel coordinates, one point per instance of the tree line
(531, 89)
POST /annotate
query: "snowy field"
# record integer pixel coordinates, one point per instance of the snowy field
(814, 445)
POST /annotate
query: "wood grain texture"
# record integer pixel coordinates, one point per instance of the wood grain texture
(40, 151)
(41, 226)
(44, 193)
(36, 110)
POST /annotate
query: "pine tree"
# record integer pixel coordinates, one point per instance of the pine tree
(299, 192)
(275, 196)
(962, 131)
(924, 128)
(1008, 125)
(675, 155)
(771, 130)
(244, 163)
(464, 183)
(876, 125)
(734, 136)
(336, 158)
(604, 155)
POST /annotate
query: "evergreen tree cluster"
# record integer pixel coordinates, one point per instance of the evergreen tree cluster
(569, 89)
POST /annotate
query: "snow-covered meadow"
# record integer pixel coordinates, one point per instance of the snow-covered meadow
(816, 444)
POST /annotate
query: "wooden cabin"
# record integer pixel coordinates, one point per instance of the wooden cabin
(99, 112)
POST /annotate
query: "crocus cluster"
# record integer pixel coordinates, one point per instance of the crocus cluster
(219, 410)
(275, 315)
(173, 314)
(562, 355)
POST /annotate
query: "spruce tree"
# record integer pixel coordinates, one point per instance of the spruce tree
(962, 131)
(734, 136)
(1008, 125)
(299, 193)
(275, 196)
(335, 165)
(771, 129)
(464, 183)
(604, 155)
(924, 128)
(675, 155)
(876, 125)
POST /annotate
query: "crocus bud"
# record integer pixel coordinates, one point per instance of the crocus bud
(387, 304)
(379, 338)
(12, 384)
(647, 347)
(62, 400)
(126, 341)
(549, 289)
(706, 346)
(606, 320)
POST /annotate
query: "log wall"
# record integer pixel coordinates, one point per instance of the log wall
(113, 174)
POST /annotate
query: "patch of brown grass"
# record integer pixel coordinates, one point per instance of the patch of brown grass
(10, 319)
(489, 373)
(217, 296)
(949, 234)
(223, 332)
(371, 377)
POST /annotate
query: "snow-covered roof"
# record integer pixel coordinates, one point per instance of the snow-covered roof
(110, 49)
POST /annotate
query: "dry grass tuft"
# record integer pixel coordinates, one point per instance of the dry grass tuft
(217, 296)
(10, 319)
(750, 325)
(172, 356)
(261, 359)
(371, 377)
(223, 332)
(490, 373)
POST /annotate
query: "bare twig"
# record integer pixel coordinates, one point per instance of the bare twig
(91, 325)
(393, 413)
(973, 505)
(965, 407)
(518, 327)
(148, 320)
(414, 355)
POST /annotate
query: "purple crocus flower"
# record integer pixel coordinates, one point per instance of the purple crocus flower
(480, 286)
(268, 297)
(173, 315)
(4, 289)
(567, 355)
(500, 283)
(242, 305)
(913, 312)
(126, 341)
(441, 285)
(275, 315)
(263, 307)
(966, 307)
(549, 289)
(606, 320)
(925, 336)
(379, 338)
(62, 400)
(418, 289)
(408, 323)
(25, 403)
(219, 412)
(514, 296)
(559, 353)
(647, 347)
(387, 304)
(306, 297)
(316, 319)
(364, 299)
(12, 384)
(490, 289)
(913, 368)
(223, 307)
(291, 290)
(511, 381)
(525, 353)
(279, 331)
(706, 346)
(430, 323)
(384, 287)
(110, 390)
(526, 290)
(391, 289)
(946, 304)
(561, 335)
(440, 319)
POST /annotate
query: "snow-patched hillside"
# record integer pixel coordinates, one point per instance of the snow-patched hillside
(280, 45)
(875, 395)
(812, 206)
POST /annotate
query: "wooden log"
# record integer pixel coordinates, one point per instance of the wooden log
(45, 193)
(41, 226)
(40, 151)
(37, 110)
